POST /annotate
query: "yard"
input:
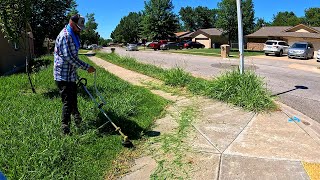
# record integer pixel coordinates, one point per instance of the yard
(215, 52)
(32, 146)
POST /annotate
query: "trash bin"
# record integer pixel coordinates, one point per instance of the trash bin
(113, 49)
(225, 50)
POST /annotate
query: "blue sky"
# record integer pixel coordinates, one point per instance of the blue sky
(109, 12)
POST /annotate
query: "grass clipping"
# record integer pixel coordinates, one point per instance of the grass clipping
(246, 90)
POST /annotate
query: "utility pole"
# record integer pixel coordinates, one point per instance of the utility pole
(240, 36)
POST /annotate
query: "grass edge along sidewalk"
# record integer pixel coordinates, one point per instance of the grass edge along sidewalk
(247, 91)
(32, 146)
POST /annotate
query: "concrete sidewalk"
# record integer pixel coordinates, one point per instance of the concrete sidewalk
(229, 143)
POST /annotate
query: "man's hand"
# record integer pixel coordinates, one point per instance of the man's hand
(91, 69)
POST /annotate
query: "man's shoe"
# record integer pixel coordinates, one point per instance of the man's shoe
(78, 122)
(65, 129)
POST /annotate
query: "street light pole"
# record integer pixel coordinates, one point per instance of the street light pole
(240, 36)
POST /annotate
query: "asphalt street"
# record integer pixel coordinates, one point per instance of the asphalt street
(295, 83)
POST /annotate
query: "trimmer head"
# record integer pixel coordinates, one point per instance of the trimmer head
(127, 144)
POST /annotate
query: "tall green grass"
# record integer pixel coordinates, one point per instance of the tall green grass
(31, 144)
(244, 90)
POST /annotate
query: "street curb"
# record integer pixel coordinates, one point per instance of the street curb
(310, 126)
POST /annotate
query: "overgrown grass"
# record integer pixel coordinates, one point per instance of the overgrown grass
(32, 146)
(247, 90)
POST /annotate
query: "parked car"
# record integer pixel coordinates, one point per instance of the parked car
(318, 56)
(192, 45)
(156, 45)
(302, 50)
(132, 47)
(275, 47)
(171, 45)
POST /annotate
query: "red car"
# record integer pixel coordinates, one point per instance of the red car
(156, 45)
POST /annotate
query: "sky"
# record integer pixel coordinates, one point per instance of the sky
(109, 12)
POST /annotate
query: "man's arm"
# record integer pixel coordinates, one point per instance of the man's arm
(70, 54)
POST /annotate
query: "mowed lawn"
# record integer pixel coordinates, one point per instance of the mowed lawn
(32, 146)
(214, 52)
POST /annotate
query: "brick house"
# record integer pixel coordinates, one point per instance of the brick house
(211, 38)
(13, 55)
(290, 34)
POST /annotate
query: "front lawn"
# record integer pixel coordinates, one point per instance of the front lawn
(32, 146)
(215, 52)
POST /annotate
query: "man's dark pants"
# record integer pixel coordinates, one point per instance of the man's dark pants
(68, 93)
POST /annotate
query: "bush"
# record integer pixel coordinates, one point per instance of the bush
(245, 90)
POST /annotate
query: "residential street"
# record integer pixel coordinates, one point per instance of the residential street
(295, 82)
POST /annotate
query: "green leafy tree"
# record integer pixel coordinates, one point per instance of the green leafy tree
(198, 18)
(285, 19)
(260, 23)
(312, 17)
(159, 21)
(227, 18)
(89, 35)
(248, 17)
(73, 9)
(46, 19)
(205, 17)
(104, 42)
(129, 29)
(187, 15)
(14, 18)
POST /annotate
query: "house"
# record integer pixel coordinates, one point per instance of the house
(211, 38)
(13, 55)
(182, 36)
(290, 34)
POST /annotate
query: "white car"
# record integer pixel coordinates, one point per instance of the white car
(275, 47)
(318, 56)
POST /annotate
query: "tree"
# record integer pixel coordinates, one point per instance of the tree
(187, 16)
(129, 28)
(104, 42)
(14, 18)
(285, 19)
(260, 23)
(89, 35)
(248, 17)
(198, 18)
(159, 21)
(205, 17)
(227, 18)
(312, 17)
(47, 20)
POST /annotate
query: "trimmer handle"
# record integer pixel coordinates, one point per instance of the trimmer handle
(82, 81)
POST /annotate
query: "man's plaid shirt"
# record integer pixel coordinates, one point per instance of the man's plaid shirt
(66, 60)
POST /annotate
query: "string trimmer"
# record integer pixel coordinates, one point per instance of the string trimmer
(82, 82)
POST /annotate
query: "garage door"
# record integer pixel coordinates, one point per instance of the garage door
(204, 41)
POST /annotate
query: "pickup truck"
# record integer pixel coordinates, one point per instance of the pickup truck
(156, 45)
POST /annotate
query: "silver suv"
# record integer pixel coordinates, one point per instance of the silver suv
(275, 47)
(303, 50)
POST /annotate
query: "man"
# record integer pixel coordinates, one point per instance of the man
(66, 62)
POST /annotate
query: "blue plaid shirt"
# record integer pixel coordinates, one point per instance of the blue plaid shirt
(66, 61)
